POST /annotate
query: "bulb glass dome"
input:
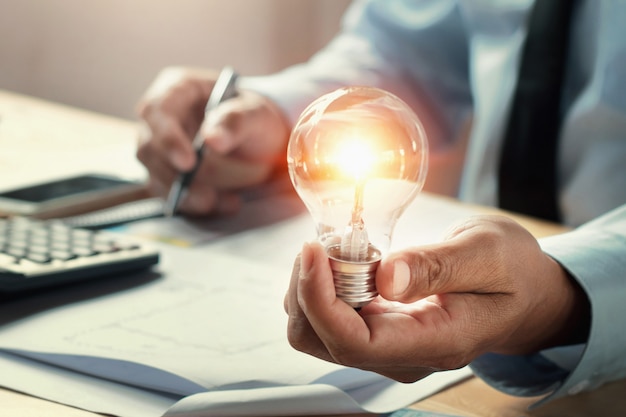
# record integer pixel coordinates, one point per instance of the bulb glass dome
(358, 138)
(357, 158)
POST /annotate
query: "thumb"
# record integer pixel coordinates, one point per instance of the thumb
(467, 262)
(413, 274)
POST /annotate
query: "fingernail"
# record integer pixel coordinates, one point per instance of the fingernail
(305, 260)
(401, 277)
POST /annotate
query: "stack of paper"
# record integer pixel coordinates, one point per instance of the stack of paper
(205, 334)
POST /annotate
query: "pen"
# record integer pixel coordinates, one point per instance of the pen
(224, 89)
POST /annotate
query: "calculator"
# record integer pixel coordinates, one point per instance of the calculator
(35, 254)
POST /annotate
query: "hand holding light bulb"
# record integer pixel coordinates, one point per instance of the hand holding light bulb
(440, 306)
(487, 287)
(357, 157)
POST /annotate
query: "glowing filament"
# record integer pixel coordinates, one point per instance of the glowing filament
(355, 159)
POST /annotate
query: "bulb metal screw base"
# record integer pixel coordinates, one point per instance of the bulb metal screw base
(355, 281)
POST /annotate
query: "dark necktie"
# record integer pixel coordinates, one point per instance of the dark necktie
(528, 163)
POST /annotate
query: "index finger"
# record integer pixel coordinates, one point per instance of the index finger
(300, 334)
(337, 324)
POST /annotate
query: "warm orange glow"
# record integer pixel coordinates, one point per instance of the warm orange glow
(355, 158)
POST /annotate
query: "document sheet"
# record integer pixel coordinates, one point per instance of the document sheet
(202, 334)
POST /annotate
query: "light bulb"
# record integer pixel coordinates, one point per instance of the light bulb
(357, 157)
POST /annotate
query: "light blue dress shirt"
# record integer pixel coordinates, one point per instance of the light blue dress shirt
(456, 62)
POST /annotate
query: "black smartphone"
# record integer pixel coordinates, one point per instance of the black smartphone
(70, 196)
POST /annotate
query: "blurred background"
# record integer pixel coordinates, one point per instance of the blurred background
(101, 55)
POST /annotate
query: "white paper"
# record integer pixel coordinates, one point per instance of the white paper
(80, 391)
(209, 326)
(318, 399)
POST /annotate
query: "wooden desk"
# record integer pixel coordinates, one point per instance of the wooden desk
(44, 141)
(471, 398)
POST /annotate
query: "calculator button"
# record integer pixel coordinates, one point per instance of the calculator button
(62, 255)
(39, 240)
(40, 249)
(16, 252)
(17, 236)
(105, 248)
(60, 246)
(39, 258)
(60, 240)
(18, 244)
(36, 253)
(83, 251)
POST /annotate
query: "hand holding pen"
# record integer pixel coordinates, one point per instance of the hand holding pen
(224, 89)
(243, 143)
